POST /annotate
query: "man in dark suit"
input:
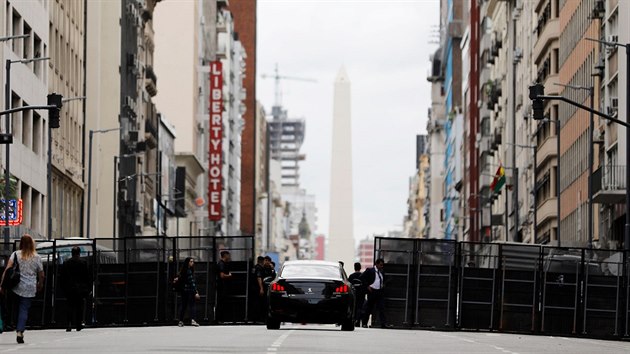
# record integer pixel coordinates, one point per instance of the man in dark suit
(374, 281)
(359, 293)
(77, 285)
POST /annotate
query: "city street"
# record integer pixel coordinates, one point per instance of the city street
(295, 339)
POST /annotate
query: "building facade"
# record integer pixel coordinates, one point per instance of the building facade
(245, 25)
(29, 85)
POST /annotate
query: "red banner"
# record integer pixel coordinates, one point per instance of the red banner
(216, 139)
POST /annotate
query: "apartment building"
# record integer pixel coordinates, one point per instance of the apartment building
(184, 102)
(609, 184)
(434, 211)
(577, 57)
(29, 85)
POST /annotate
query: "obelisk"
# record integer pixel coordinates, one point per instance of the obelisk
(341, 237)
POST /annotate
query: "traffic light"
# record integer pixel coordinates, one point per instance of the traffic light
(535, 91)
(53, 113)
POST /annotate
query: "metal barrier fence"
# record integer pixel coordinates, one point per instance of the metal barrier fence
(506, 287)
(133, 277)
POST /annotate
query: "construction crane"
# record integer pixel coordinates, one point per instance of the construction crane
(277, 77)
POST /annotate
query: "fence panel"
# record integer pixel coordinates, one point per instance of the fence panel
(232, 305)
(478, 274)
(436, 286)
(398, 255)
(520, 282)
(561, 288)
(603, 291)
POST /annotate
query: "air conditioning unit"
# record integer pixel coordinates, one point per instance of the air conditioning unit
(614, 102)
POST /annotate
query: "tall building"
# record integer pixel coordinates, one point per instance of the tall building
(139, 124)
(341, 235)
(103, 59)
(29, 85)
(244, 12)
(453, 127)
(285, 141)
(185, 100)
(434, 178)
(67, 77)
(545, 58)
(576, 59)
(609, 185)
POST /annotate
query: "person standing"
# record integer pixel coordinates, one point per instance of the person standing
(188, 291)
(31, 280)
(223, 284)
(374, 279)
(77, 285)
(259, 289)
(359, 293)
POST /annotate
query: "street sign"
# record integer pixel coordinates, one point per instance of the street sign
(15, 212)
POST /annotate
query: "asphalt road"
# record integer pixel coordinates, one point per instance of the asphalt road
(295, 339)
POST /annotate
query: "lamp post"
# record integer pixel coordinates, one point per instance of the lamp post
(591, 128)
(89, 196)
(7, 105)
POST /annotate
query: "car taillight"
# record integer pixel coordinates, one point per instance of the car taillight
(344, 289)
(277, 287)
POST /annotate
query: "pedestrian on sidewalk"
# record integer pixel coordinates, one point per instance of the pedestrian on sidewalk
(375, 281)
(31, 280)
(77, 285)
(188, 290)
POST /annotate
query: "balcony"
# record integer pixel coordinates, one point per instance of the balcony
(548, 31)
(609, 185)
(546, 151)
(547, 210)
(150, 81)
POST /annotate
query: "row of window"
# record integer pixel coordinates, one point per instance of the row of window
(25, 48)
(574, 31)
(574, 161)
(574, 228)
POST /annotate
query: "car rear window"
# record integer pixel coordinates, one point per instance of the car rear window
(306, 271)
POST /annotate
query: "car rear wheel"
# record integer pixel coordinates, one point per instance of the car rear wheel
(272, 324)
(348, 325)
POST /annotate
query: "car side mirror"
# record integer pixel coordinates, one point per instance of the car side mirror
(267, 280)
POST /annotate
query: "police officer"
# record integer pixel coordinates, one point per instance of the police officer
(259, 289)
(223, 284)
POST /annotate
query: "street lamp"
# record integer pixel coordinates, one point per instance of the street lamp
(89, 196)
(9, 138)
(591, 128)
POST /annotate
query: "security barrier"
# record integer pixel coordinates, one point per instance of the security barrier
(505, 287)
(133, 280)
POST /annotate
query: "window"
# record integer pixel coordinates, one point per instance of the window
(37, 133)
(27, 127)
(16, 32)
(26, 51)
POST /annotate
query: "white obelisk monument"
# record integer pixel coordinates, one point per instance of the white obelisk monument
(341, 237)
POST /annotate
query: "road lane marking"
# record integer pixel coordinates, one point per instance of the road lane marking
(278, 343)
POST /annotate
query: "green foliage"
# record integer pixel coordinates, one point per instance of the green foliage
(12, 187)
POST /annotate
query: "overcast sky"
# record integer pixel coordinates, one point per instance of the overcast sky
(385, 47)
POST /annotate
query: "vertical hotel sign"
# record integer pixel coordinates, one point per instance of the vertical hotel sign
(216, 139)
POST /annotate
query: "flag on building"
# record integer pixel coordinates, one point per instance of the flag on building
(499, 180)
